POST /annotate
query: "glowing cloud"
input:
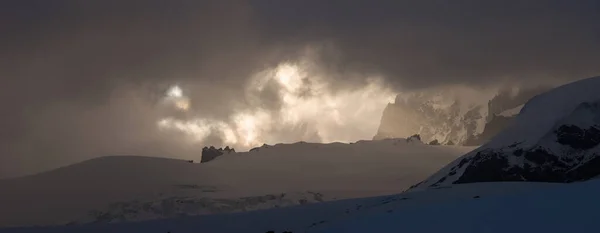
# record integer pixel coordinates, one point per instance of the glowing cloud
(310, 110)
(175, 92)
(177, 99)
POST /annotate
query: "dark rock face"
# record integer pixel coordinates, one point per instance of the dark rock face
(578, 138)
(417, 114)
(492, 166)
(569, 151)
(210, 153)
(539, 166)
(413, 138)
(586, 171)
(404, 117)
(574, 158)
(434, 143)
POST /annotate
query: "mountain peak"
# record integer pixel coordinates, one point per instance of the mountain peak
(554, 139)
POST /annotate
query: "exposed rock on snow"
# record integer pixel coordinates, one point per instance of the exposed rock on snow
(434, 143)
(449, 116)
(432, 116)
(415, 139)
(210, 153)
(554, 139)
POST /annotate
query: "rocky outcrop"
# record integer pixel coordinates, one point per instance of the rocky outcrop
(444, 118)
(578, 138)
(425, 117)
(255, 149)
(546, 144)
(434, 143)
(414, 138)
(210, 153)
(537, 164)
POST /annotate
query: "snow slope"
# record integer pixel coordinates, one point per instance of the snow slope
(554, 138)
(564, 208)
(129, 188)
(323, 217)
(542, 112)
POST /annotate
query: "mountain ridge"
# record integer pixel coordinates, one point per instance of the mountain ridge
(448, 116)
(555, 138)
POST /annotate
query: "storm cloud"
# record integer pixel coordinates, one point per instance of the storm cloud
(423, 43)
(87, 79)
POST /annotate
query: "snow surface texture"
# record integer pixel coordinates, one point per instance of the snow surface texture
(129, 188)
(554, 139)
(481, 207)
(566, 208)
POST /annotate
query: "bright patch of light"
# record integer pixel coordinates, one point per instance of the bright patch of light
(176, 98)
(183, 104)
(199, 129)
(289, 77)
(175, 91)
(310, 110)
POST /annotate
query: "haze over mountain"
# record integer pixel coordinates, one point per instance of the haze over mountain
(459, 115)
(554, 139)
(88, 79)
(133, 188)
(242, 116)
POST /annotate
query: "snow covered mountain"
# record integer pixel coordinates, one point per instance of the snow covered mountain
(459, 115)
(435, 115)
(129, 188)
(554, 138)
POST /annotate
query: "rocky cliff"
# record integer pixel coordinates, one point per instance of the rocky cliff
(555, 138)
(447, 117)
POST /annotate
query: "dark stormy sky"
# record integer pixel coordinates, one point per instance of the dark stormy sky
(82, 79)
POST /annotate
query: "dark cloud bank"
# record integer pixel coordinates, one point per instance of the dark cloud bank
(81, 79)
